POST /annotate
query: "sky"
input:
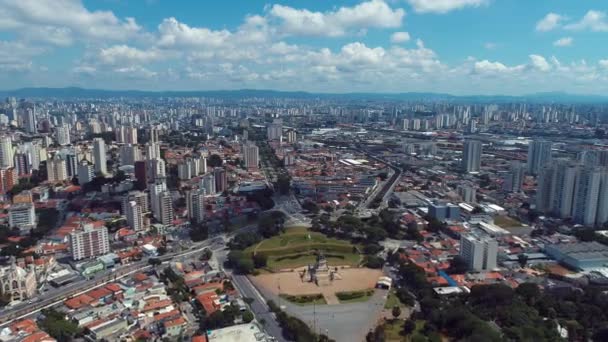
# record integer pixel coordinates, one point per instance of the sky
(461, 47)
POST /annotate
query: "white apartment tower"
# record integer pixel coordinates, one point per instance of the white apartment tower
(471, 156)
(479, 252)
(99, 155)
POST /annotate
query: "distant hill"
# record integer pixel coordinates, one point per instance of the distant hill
(75, 92)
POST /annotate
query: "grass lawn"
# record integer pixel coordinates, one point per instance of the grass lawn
(354, 296)
(393, 330)
(506, 222)
(392, 301)
(303, 259)
(305, 300)
(296, 247)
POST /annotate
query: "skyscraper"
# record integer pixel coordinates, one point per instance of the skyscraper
(513, 179)
(195, 202)
(6, 151)
(274, 130)
(586, 195)
(134, 216)
(471, 156)
(221, 182)
(99, 155)
(539, 155)
(56, 169)
(251, 155)
(86, 172)
(129, 154)
(63, 134)
(208, 183)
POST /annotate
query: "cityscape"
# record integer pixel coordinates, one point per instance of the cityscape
(286, 196)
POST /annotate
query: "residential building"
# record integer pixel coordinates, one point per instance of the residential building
(539, 155)
(471, 156)
(99, 155)
(86, 172)
(479, 252)
(22, 216)
(6, 151)
(134, 216)
(195, 202)
(63, 134)
(251, 155)
(89, 242)
(56, 169)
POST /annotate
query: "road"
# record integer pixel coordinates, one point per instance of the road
(258, 306)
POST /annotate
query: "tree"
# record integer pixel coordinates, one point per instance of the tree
(396, 311)
(408, 327)
(56, 325)
(528, 291)
(247, 316)
(260, 260)
(374, 261)
(458, 265)
(214, 161)
(523, 260)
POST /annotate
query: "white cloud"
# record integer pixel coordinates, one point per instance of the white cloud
(369, 14)
(490, 45)
(539, 63)
(176, 34)
(443, 6)
(550, 22)
(603, 63)
(400, 37)
(128, 54)
(485, 67)
(63, 20)
(593, 21)
(565, 41)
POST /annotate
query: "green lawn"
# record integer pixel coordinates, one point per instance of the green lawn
(355, 296)
(305, 300)
(296, 247)
(506, 222)
(392, 301)
(303, 259)
(393, 330)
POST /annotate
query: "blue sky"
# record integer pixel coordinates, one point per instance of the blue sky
(454, 46)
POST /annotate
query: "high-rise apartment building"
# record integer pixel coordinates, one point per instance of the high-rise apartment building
(6, 151)
(539, 155)
(513, 180)
(134, 216)
(479, 252)
(63, 134)
(251, 155)
(195, 202)
(86, 172)
(89, 242)
(99, 155)
(56, 169)
(471, 156)
(221, 180)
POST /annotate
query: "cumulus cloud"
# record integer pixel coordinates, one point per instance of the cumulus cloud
(486, 67)
(539, 63)
(550, 22)
(443, 6)
(562, 42)
(127, 54)
(592, 21)
(302, 22)
(61, 21)
(400, 37)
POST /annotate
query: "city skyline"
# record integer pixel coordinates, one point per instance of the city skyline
(459, 47)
